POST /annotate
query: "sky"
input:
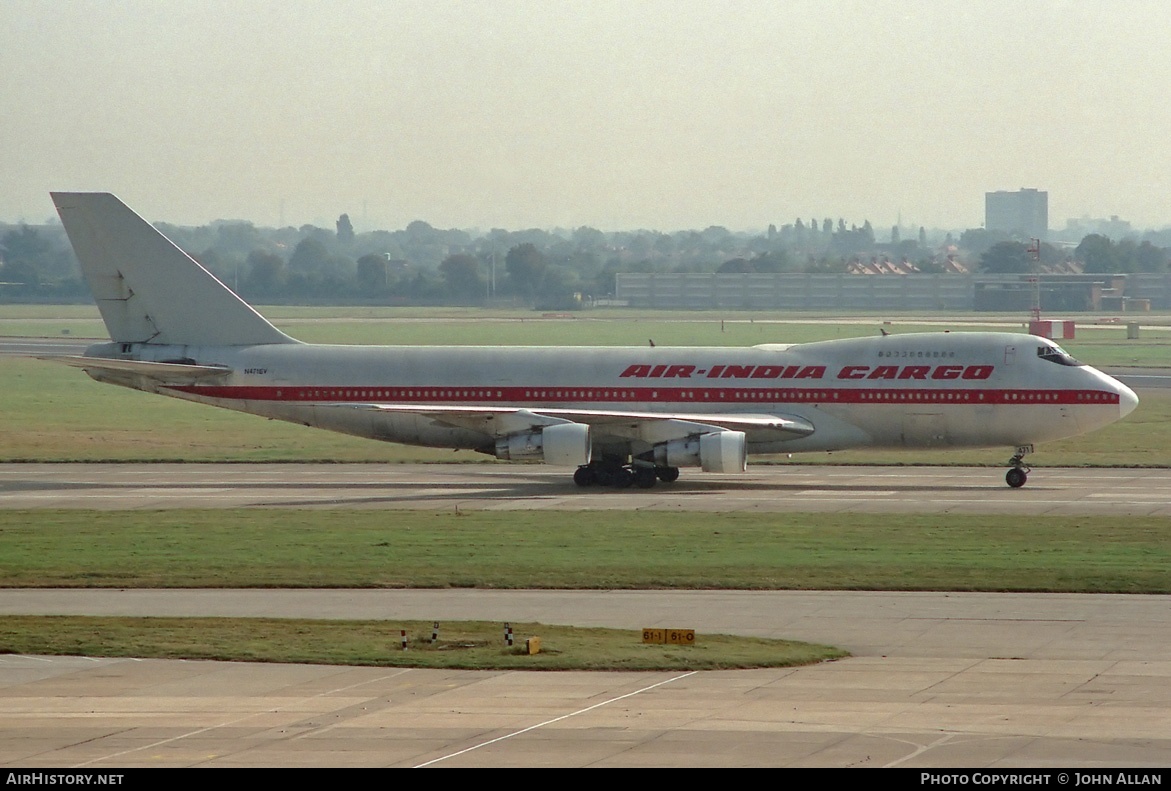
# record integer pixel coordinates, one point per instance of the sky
(618, 115)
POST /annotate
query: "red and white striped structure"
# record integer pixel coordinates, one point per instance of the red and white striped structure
(1051, 328)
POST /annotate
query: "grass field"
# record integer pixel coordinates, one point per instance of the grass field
(299, 548)
(1097, 344)
(611, 550)
(461, 644)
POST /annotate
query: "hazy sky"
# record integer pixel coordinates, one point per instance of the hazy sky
(619, 115)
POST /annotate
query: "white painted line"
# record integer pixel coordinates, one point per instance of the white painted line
(555, 719)
(1152, 497)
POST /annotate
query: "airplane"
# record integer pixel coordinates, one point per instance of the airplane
(619, 416)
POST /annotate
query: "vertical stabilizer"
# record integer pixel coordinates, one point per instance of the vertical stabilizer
(148, 290)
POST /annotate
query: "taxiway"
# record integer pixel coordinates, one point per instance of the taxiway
(966, 680)
(787, 487)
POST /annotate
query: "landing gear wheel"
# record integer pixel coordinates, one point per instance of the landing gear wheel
(667, 474)
(1019, 473)
(644, 477)
(623, 478)
(614, 474)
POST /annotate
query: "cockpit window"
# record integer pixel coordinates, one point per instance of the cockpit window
(1055, 354)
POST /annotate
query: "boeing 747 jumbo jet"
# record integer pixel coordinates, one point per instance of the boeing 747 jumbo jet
(621, 416)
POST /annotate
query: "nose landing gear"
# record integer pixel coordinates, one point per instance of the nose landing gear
(1019, 474)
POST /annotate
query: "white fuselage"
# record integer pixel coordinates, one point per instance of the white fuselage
(899, 391)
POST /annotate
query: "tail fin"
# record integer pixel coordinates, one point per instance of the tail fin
(147, 289)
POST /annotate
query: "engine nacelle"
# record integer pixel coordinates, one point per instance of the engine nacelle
(719, 451)
(563, 445)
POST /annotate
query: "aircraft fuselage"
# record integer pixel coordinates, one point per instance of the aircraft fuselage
(620, 416)
(899, 391)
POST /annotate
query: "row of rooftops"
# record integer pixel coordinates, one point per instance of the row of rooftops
(881, 265)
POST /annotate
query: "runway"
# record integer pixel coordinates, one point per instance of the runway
(995, 681)
(500, 487)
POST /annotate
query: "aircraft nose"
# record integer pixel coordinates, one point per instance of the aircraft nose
(1127, 400)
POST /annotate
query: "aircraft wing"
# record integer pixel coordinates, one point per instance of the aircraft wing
(652, 427)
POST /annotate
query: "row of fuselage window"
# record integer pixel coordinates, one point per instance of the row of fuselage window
(806, 396)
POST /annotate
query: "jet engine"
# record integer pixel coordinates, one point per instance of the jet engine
(719, 451)
(563, 445)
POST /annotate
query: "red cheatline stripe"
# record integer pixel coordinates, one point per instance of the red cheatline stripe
(549, 396)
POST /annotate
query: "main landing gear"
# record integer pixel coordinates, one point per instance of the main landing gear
(623, 476)
(1019, 474)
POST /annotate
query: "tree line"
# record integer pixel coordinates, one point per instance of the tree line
(1097, 254)
(549, 269)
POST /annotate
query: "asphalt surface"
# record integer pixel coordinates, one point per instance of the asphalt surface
(995, 681)
(504, 487)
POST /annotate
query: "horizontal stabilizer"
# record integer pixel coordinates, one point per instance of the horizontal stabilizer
(172, 373)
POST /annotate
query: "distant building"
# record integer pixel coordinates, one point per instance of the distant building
(1024, 212)
(1078, 229)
